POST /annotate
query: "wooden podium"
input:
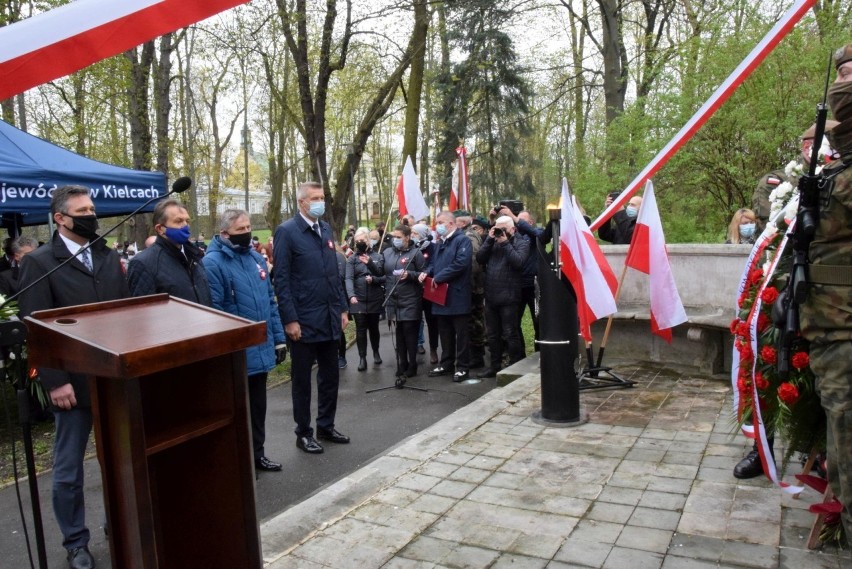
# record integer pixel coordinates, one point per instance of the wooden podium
(168, 385)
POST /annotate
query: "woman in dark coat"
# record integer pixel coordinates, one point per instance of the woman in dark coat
(403, 267)
(364, 290)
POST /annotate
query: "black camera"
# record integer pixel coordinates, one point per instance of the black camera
(361, 247)
(498, 232)
(515, 206)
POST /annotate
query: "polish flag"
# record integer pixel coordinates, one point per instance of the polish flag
(585, 266)
(460, 194)
(68, 38)
(408, 193)
(647, 253)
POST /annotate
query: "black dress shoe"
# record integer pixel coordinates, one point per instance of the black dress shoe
(309, 445)
(477, 363)
(488, 372)
(362, 364)
(460, 376)
(264, 463)
(438, 371)
(333, 436)
(80, 558)
(749, 467)
(376, 357)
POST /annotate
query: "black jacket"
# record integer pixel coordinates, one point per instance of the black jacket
(370, 296)
(71, 285)
(504, 264)
(405, 300)
(618, 230)
(163, 268)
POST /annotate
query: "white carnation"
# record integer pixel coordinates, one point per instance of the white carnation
(791, 209)
(793, 168)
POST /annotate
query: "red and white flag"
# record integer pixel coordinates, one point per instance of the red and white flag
(68, 38)
(460, 194)
(585, 266)
(647, 253)
(408, 193)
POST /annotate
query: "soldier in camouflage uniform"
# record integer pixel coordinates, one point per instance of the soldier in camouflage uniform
(464, 222)
(826, 317)
(760, 198)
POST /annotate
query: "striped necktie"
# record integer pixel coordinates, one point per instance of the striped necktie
(87, 260)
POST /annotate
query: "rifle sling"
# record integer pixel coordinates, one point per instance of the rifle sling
(834, 275)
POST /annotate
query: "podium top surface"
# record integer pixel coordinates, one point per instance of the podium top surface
(135, 336)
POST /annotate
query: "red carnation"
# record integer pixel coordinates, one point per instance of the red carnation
(763, 322)
(760, 381)
(755, 276)
(769, 295)
(768, 354)
(788, 393)
(801, 360)
(745, 352)
(743, 298)
(742, 385)
(742, 329)
(734, 324)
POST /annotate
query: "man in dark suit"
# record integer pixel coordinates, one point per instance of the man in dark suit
(172, 264)
(451, 264)
(313, 309)
(95, 275)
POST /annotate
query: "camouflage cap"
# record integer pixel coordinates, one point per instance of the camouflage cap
(829, 124)
(842, 55)
(461, 213)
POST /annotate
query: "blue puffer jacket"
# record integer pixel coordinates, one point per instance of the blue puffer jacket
(240, 285)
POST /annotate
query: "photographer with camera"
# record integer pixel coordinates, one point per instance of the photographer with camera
(504, 256)
(403, 267)
(618, 229)
(364, 290)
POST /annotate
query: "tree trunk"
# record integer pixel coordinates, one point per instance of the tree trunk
(415, 80)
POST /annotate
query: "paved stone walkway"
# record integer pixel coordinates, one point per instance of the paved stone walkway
(646, 483)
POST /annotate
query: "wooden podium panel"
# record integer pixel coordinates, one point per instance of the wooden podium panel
(168, 386)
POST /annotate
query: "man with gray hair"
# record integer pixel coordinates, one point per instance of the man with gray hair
(314, 312)
(240, 285)
(451, 264)
(9, 278)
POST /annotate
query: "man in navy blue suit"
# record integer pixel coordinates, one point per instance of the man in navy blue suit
(313, 309)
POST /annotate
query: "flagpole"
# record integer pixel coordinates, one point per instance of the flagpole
(609, 320)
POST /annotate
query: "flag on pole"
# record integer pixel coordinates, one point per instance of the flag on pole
(460, 195)
(408, 193)
(647, 253)
(585, 266)
(772, 38)
(68, 38)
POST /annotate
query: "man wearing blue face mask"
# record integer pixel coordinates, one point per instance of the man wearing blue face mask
(172, 264)
(314, 311)
(618, 229)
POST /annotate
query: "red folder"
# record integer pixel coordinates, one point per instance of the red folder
(437, 295)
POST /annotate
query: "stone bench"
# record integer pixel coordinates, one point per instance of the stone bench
(707, 277)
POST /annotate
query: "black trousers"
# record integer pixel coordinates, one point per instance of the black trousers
(257, 411)
(406, 346)
(302, 358)
(502, 324)
(455, 342)
(366, 324)
(528, 301)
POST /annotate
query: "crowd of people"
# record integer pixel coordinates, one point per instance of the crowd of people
(463, 284)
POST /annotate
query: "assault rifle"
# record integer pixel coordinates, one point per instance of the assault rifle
(807, 219)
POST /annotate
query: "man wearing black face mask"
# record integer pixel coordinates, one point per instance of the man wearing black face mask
(172, 264)
(826, 316)
(95, 275)
(240, 285)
